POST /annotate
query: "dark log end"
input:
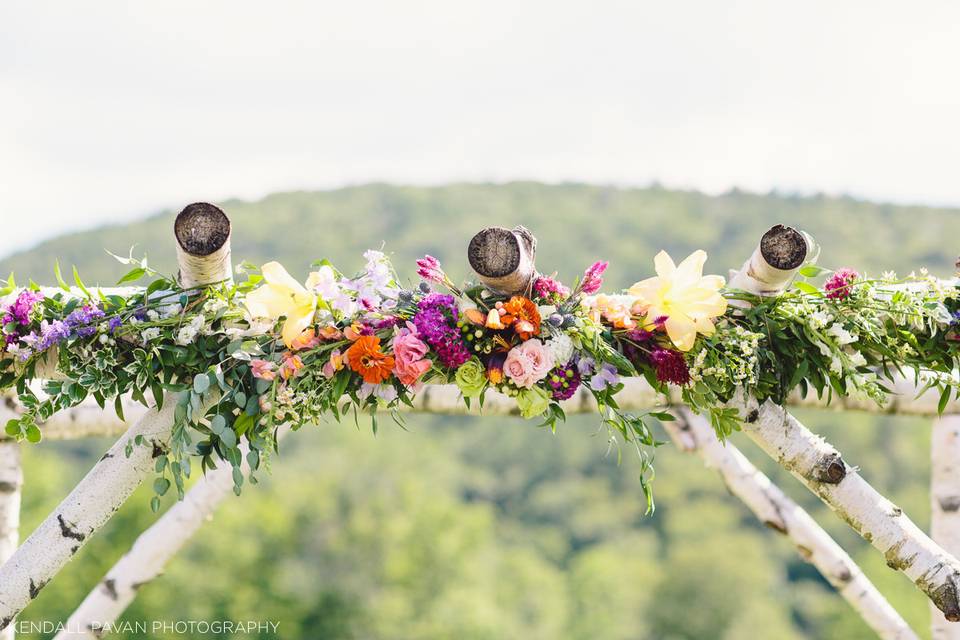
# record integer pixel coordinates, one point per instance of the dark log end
(830, 469)
(201, 228)
(494, 252)
(783, 247)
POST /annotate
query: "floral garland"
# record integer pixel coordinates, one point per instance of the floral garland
(244, 358)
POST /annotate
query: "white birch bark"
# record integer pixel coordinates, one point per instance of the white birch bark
(11, 484)
(88, 507)
(776, 510)
(881, 523)
(151, 552)
(945, 505)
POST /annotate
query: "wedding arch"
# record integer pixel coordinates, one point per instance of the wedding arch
(202, 370)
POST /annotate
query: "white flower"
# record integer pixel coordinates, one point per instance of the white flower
(188, 333)
(857, 359)
(152, 315)
(561, 346)
(841, 335)
(819, 319)
(150, 334)
(170, 310)
(213, 306)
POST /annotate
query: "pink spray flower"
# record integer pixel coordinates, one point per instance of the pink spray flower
(839, 285)
(593, 277)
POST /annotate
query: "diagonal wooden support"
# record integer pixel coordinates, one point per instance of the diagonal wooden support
(203, 239)
(693, 434)
(820, 467)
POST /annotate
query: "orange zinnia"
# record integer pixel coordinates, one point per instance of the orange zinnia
(526, 316)
(366, 358)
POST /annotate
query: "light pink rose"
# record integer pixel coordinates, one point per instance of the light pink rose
(540, 356)
(519, 368)
(408, 354)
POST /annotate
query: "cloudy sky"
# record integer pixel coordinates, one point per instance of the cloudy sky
(116, 109)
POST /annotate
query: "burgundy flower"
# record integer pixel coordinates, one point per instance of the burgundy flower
(670, 366)
(564, 381)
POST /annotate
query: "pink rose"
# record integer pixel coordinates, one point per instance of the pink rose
(263, 369)
(408, 354)
(519, 368)
(540, 357)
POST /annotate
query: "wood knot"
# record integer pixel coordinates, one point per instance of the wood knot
(752, 416)
(949, 504)
(830, 469)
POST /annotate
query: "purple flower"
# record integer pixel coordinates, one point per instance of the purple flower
(22, 307)
(593, 277)
(436, 323)
(838, 286)
(586, 366)
(430, 270)
(606, 377)
(670, 366)
(113, 324)
(82, 321)
(51, 333)
(549, 289)
(564, 381)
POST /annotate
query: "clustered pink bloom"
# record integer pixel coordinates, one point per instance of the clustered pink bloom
(593, 277)
(670, 366)
(430, 270)
(550, 289)
(564, 381)
(528, 363)
(839, 285)
(408, 353)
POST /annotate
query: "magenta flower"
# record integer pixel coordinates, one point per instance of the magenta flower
(839, 285)
(550, 290)
(593, 277)
(430, 270)
(670, 366)
(564, 381)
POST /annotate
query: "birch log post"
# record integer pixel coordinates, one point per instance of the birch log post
(773, 263)
(945, 504)
(111, 481)
(11, 484)
(504, 259)
(693, 433)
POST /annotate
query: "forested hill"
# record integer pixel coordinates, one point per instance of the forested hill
(575, 223)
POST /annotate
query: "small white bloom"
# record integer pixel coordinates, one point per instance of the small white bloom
(150, 334)
(152, 315)
(841, 335)
(561, 346)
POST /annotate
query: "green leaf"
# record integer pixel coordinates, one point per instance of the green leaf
(811, 271)
(228, 437)
(218, 424)
(806, 287)
(133, 275)
(13, 427)
(76, 278)
(155, 504)
(160, 486)
(59, 276)
(33, 434)
(201, 383)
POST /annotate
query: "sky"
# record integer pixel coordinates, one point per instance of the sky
(114, 110)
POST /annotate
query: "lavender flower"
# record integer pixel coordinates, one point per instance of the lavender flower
(606, 377)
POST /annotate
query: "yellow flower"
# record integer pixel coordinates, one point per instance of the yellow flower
(282, 296)
(684, 295)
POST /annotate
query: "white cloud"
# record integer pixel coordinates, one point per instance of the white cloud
(116, 109)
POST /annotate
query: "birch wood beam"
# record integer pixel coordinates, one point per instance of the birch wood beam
(945, 505)
(11, 484)
(504, 259)
(150, 553)
(774, 262)
(693, 434)
(111, 481)
(820, 467)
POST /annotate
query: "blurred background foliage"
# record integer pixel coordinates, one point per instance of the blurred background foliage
(492, 528)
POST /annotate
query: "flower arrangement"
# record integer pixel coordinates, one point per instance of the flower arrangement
(243, 358)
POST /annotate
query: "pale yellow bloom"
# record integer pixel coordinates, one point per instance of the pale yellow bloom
(689, 299)
(282, 296)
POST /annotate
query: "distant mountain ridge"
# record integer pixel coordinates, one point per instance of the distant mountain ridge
(574, 223)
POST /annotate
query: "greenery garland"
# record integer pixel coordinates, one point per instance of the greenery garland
(242, 358)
